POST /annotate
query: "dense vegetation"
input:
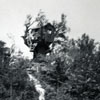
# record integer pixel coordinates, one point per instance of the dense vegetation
(71, 72)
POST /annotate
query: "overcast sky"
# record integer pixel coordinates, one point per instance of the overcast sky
(83, 16)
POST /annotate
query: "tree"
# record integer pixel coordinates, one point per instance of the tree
(45, 34)
(83, 75)
(4, 62)
(14, 81)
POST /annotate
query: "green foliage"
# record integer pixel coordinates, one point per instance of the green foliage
(14, 82)
(83, 72)
(71, 71)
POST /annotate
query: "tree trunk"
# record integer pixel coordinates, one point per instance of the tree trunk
(11, 91)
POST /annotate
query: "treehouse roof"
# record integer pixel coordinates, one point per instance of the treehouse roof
(48, 26)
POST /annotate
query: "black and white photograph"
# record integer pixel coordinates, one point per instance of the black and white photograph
(49, 50)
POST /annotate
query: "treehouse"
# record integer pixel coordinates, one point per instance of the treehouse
(39, 39)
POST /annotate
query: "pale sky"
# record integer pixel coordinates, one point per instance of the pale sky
(83, 16)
